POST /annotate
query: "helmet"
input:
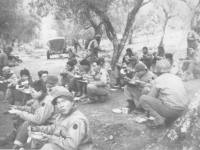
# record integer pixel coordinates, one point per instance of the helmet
(140, 67)
(162, 66)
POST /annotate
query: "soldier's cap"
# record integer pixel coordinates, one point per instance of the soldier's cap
(62, 92)
(133, 58)
(140, 67)
(52, 79)
(162, 66)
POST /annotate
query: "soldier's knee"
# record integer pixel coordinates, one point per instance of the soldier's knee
(91, 86)
(143, 99)
(126, 87)
(49, 146)
(145, 91)
(27, 123)
(72, 80)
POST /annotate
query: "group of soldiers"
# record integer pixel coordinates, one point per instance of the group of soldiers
(48, 107)
(152, 85)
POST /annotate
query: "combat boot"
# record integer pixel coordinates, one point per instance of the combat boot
(159, 121)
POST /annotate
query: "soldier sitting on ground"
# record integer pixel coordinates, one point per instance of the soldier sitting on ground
(125, 62)
(20, 92)
(41, 112)
(98, 89)
(42, 74)
(9, 79)
(79, 86)
(146, 57)
(4, 58)
(191, 65)
(68, 73)
(138, 86)
(70, 131)
(167, 98)
(158, 56)
(175, 65)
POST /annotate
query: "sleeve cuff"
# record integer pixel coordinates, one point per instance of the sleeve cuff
(53, 139)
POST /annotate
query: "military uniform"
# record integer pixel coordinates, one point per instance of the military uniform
(19, 94)
(81, 87)
(193, 66)
(40, 113)
(70, 132)
(8, 81)
(193, 40)
(101, 85)
(134, 92)
(167, 99)
(92, 53)
(68, 75)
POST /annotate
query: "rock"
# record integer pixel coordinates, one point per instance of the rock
(111, 137)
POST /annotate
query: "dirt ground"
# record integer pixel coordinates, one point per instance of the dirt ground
(110, 131)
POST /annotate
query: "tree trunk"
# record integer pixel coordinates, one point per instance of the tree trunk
(165, 25)
(116, 55)
(185, 133)
(129, 24)
(163, 33)
(195, 21)
(130, 41)
(110, 31)
(99, 29)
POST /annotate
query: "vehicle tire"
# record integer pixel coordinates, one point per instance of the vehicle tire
(48, 55)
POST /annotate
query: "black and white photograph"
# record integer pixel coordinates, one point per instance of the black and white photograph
(99, 74)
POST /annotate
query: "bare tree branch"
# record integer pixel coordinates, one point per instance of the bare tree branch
(146, 3)
(108, 25)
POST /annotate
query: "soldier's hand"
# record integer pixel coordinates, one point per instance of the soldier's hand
(127, 79)
(45, 137)
(12, 107)
(14, 111)
(14, 84)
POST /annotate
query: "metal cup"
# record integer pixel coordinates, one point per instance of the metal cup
(125, 110)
